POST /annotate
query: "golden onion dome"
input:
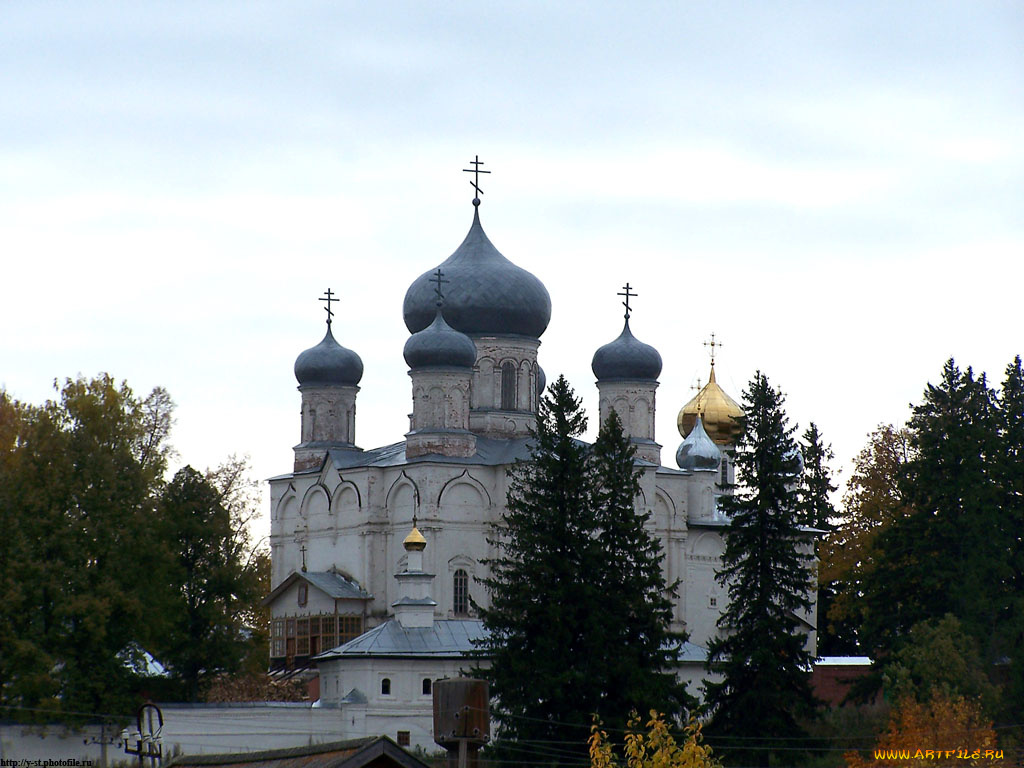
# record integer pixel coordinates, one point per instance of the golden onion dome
(718, 412)
(414, 542)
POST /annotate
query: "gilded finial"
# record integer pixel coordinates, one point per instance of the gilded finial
(475, 170)
(414, 542)
(712, 345)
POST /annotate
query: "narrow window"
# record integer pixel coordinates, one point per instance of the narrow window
(460, 593)
(426, 686)
(385, 686)
(303, 593)
(508, 386)
(403, 738)
(725, 471)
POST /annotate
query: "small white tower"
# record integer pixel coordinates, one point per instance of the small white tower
(414, 606)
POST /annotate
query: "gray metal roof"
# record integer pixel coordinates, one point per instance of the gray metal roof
(698, 451)
(447, 638)
(439, 346)
(328, 363)
(331, 583)
(626, 359)
(487, 295)
(489, 452)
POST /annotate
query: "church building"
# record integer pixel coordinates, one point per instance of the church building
(377, 553)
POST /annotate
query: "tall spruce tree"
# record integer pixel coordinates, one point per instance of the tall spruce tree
(640, 651)
(947, 546)
(765, 690)
(543, 634)
(1010, 479)
(817, 511)
(579, 617)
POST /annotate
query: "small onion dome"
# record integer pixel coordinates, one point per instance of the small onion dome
(440, 346)
(414, 542)
(717, 410)
(626, 358)
(698, 450)
(542, 382)
(329, 363)
(487, 294)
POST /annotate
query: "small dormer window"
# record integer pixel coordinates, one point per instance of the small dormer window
(385, 686)
(303, 593)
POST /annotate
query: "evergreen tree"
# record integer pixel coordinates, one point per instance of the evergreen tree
(640, 652)
(544, 634)
(579, 616)
(816, 488)
(946, 549)
(761, 656)
(1010, 479)
(817, 511)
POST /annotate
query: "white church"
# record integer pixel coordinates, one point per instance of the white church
(377, 552)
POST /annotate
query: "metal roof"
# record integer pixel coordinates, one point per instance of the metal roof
(447, 638)
(331, 583)
(489, 452)
(378, 751)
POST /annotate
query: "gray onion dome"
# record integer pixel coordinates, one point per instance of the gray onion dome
(328, 363)
(487, 294)
(542, 382)
(698, 451)
(440, 346)
(626, 358)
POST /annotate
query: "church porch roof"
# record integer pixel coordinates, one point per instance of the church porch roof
(447, 638)
(331, 583)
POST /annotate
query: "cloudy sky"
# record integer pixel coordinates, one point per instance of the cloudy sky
(834, 189)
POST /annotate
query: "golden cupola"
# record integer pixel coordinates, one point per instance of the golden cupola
(719, 413)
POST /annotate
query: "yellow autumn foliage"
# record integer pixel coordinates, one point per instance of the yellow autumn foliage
(656, 748)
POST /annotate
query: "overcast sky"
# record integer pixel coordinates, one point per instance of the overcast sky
(833, 188)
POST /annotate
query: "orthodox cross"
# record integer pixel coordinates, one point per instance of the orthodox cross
(475, 170)
(438, 278)
(330, 312)
(712, 344)
(627, 294)
(302, 549)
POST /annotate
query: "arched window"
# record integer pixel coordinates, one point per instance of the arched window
(460, 593)
(508, 386)
(385, 686)
(426, 686)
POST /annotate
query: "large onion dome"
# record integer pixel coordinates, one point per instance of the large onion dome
(488, 295)
(626, 358)
(698, 450)
(440, 346)
(328, 363)
(717, 410)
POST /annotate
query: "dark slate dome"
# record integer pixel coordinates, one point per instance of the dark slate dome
(487, 294)
(440, 346)
(329, 363)
(626, 358)
(698, 450)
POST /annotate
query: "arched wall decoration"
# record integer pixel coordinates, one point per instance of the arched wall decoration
(346, 487)
(402, 481)
(470, 481)
(285, 505)
(310, 494)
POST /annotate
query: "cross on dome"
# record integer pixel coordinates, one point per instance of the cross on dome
(627, 294)
(330, 312)
(712, 345)
(475, 183)
(439, 278)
